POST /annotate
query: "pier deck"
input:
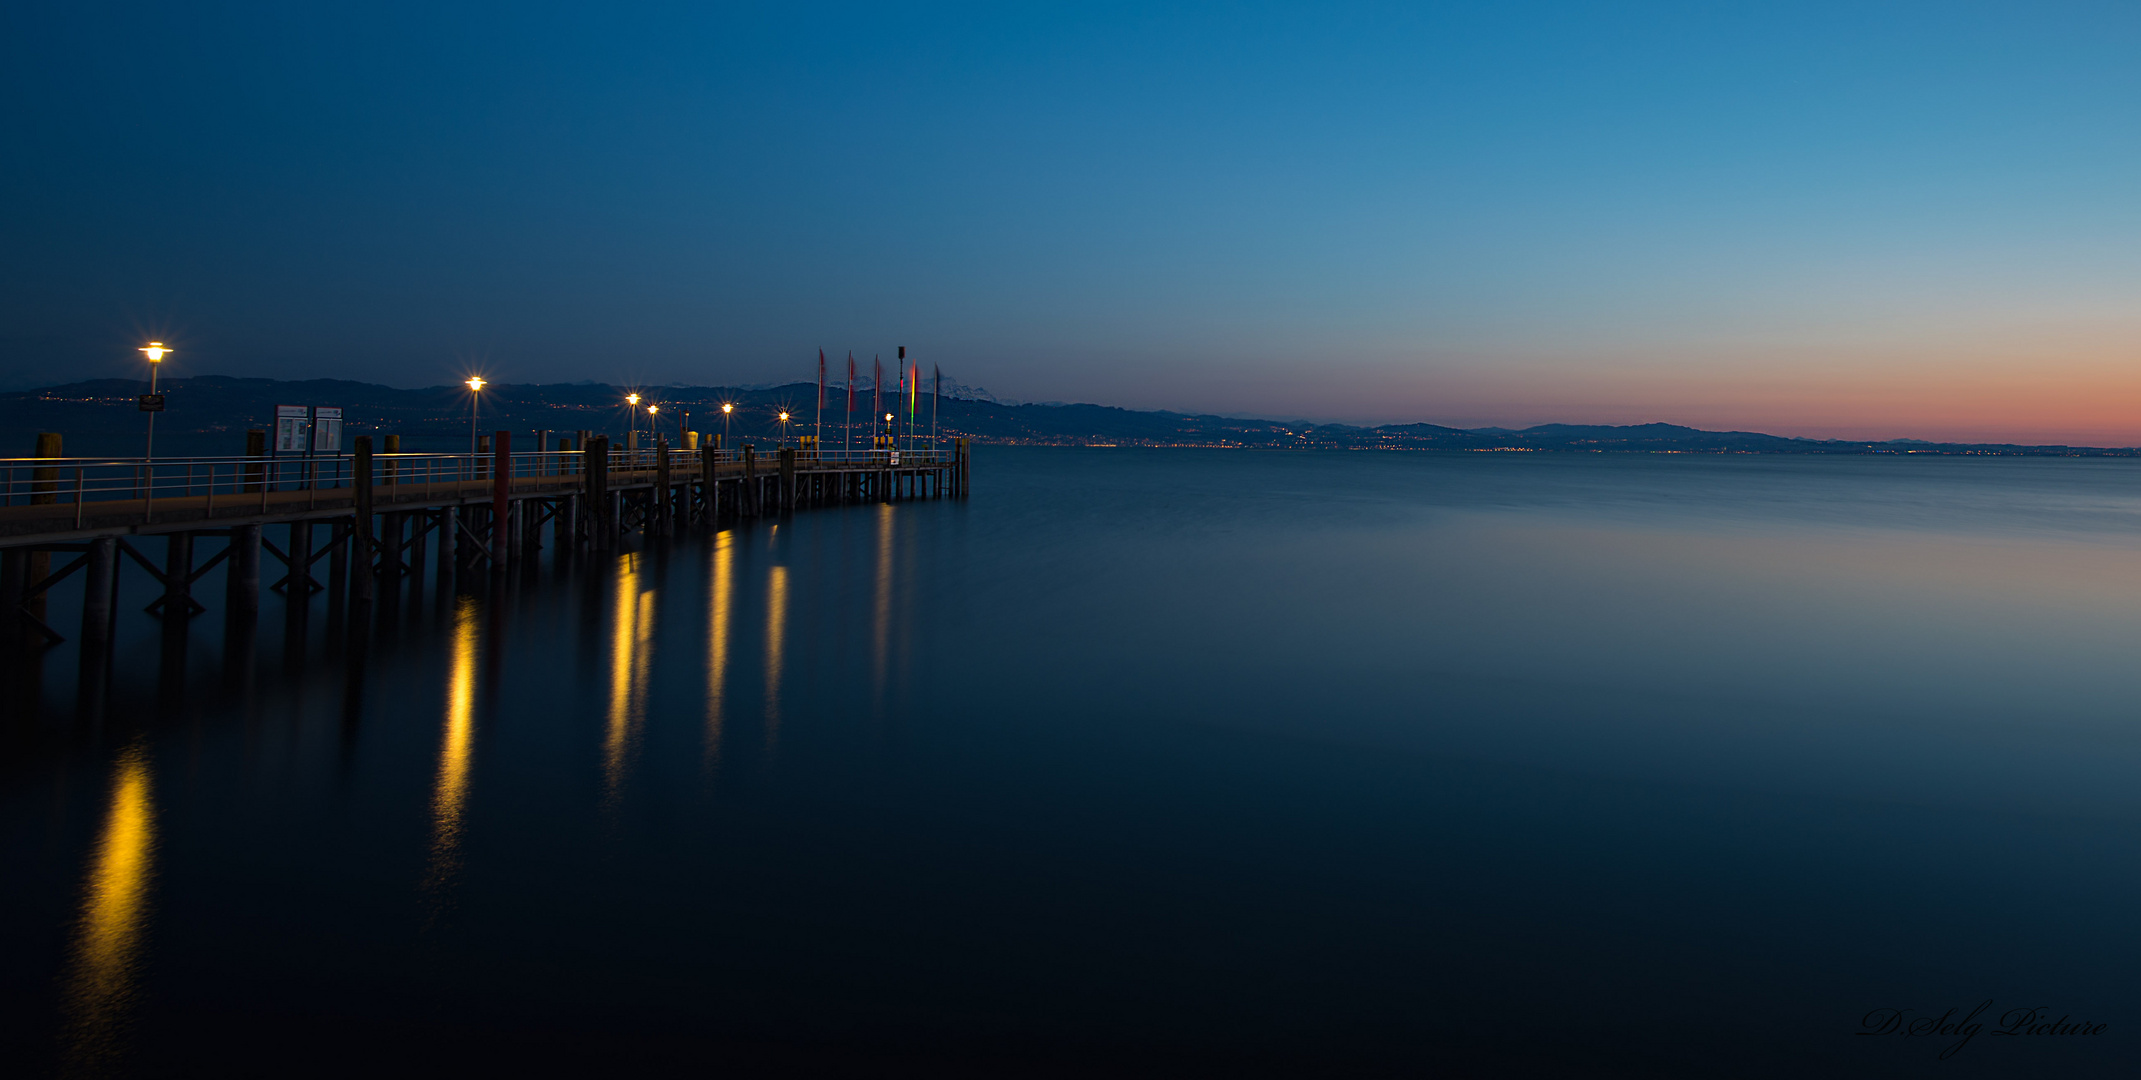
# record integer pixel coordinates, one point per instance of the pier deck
(483, 510)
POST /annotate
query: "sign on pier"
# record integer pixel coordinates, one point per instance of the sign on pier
(327, 429)
(301, 429)
(292, 424)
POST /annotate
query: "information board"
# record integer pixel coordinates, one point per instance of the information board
(326, 429)
(293, 424)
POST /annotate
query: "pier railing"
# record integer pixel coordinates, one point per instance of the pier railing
(379, 512)
(70, 480)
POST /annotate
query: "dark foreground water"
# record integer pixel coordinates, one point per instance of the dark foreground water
(1162, 762)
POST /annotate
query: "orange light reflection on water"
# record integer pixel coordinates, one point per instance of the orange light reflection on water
(719, 601)
(449, 795)
(776, 643)
(631, 664)
(105, 969)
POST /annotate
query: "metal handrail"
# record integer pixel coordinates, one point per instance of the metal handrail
(78, 480)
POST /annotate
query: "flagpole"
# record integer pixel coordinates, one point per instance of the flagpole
(847, 438)
(936, 398)
(907, 391)
(817, 438)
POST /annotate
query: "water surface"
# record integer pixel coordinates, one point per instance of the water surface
(1139, 761)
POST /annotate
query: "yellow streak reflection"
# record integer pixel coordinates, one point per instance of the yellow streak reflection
(881, 628)
(631, 662)
(114, 920)
(776, 628)
(449, 797)
(717, 640)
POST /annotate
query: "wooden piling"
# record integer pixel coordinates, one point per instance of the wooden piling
(44, 491)
(393, 558)
(419, 534)
(458, 525)
(362, 548)
(298, 582)
(531, 527)
(597, 463)
(658, 501)
(707, 484)
(750, 474)
(508, 535)
(450, 542)
(338, 547)
(501, 496)
(14, 581)
(256, 468)
(786, 492)
(44, 481)
(177, 601)
(241, 573)
(100, 593)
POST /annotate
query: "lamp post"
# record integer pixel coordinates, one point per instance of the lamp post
(784, 427)
(475, 385)
(726, 409)
(156, 352)
(888, 431)
(654, 428)
(631, 436)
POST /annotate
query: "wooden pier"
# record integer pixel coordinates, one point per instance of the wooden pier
(375, 518)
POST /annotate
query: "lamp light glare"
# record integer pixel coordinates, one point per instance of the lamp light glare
(155, 351)
(476, 383)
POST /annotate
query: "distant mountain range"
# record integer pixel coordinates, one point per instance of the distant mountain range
(99, 417)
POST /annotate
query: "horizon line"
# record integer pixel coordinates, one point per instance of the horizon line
(991, 399)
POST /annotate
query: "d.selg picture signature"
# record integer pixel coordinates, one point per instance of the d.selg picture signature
(2032, 1020)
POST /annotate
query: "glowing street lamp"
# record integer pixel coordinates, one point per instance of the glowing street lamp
(784, 427)
(156, 352)
(726, 409)
(631, 437)
(653, 428)
(475, 384)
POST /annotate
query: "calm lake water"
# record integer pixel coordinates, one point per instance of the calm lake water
(1159, 762)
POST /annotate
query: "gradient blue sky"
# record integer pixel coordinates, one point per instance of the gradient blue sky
(1850, 219)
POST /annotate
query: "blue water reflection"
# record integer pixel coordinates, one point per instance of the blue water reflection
(1160, 761)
